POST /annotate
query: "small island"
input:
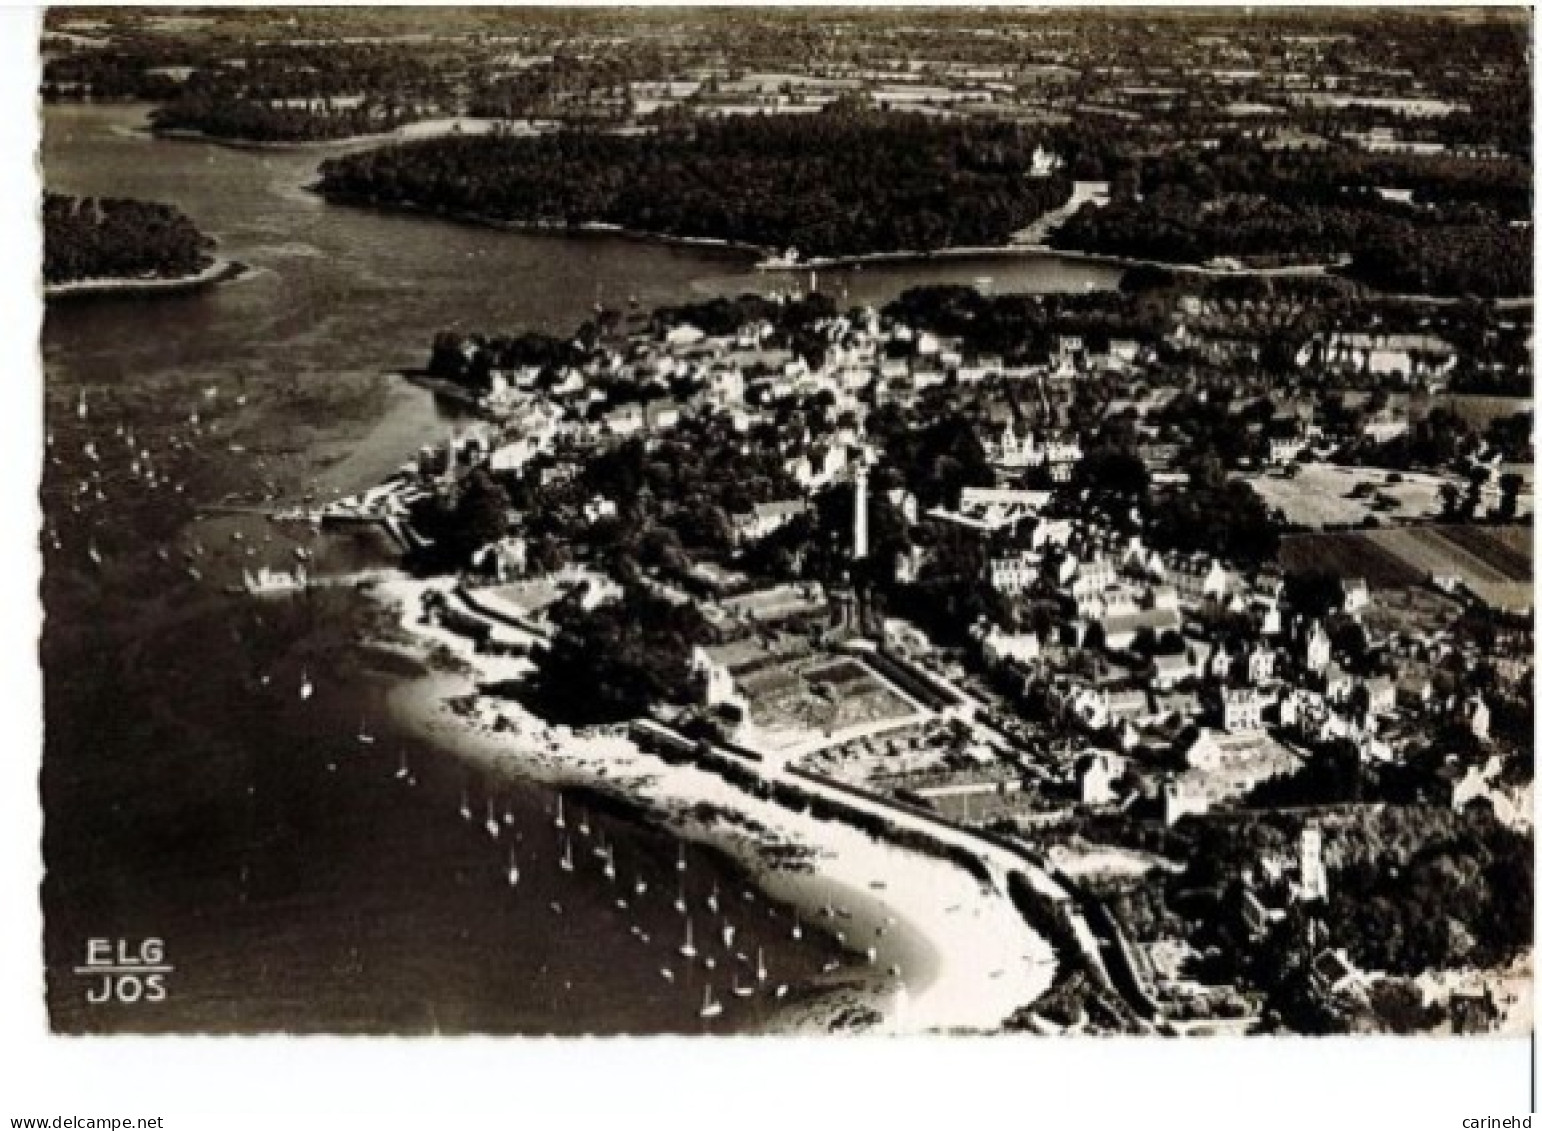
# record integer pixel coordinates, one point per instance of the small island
(839, 183)
(98, 246)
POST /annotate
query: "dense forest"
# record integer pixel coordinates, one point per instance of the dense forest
(1426, 224)
(834, 183)
(243, 119)
(118, 239)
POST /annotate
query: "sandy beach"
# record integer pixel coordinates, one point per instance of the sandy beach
(219, 271)
(936, 949)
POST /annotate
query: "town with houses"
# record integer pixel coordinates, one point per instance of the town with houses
(1081, 601)
(1042, 504)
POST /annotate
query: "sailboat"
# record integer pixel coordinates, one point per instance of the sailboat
(465, 805)
(583, 824)
(680, 863)
(712, 900)
(710, 1008)
(560, 822)
(610, 865)
(760, 965)
(728, 935)
(741, 991)
(567, 857)
(680, 899)
(307, 689)
(513, 869)
(491, 824)
(797, 929)
(401, 770)
(688, 948)
(365, 737)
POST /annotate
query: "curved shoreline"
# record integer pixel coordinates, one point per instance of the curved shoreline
(217, 272)
(538, 227)
(321, 144)
(968, 958)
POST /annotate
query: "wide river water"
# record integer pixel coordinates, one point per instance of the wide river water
(190, 794)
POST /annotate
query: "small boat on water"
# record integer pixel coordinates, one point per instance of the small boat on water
(513, 869)
(688, 947)
(781, 991)
(465, 804)
(492, 825)
(680, 863)
(307, 689)
(710, 1008)
(610, 866)
(797, 929)
(566, 863)
(640, 886)
(680, 899)
(583, 824)
(365, 738)
(760, 965)
(401, 770)
(666, 973)
(741, 991)
(712, 904)
(728, 934)
(560, 821)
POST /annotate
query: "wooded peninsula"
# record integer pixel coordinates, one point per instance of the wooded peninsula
(834, 183)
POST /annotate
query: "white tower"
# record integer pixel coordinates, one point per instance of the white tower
(859, 516)
(1314, 876)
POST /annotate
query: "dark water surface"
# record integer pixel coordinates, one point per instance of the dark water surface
(191, 795)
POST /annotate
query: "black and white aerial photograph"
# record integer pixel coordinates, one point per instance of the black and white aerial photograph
(786, 523)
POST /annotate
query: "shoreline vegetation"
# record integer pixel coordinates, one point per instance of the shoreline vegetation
(217, 272)
(115, 245)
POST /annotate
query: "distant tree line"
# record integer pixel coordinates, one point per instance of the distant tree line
(118, 239)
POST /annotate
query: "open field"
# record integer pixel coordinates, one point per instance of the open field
(1494, 562)
(1320, 494)
(1347, 554)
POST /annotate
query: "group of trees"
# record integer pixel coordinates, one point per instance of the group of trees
(1460, 900)
(225, 116)
(841, 182)
(118, 239)
(617, 660)
(1462, 233)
